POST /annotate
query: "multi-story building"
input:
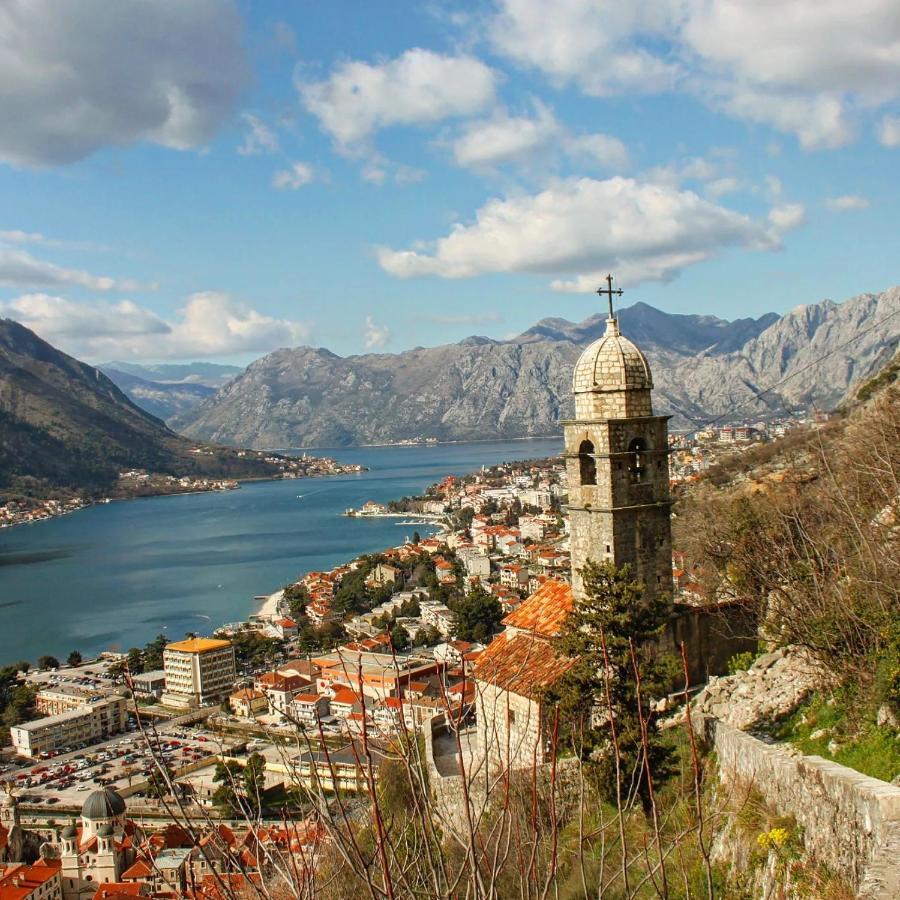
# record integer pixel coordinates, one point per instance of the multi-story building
(198, 671)
(97, 720)
(60, 698)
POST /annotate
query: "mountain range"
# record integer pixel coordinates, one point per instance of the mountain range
(704, 367)
(64, 424)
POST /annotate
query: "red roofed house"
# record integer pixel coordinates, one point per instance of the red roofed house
(511, 675)
(286, 627)
(23, 882)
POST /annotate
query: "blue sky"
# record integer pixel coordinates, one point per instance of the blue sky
(215, 179)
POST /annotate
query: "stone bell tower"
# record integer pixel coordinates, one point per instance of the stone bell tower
(616, 454)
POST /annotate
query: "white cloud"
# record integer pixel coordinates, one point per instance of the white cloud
(787, 216)
(503, 139)
(818, 121)
(259, 138)
(379, 169)
(418, 87)
(20, 269)
(889, 131)
(75, 77)
(810, 68)
(604, 149)
(209, 324)
(21, 237)
(846, 202)
(376, 335)
(295, 177)
(581, 227)
(602, 46)
(719, 187)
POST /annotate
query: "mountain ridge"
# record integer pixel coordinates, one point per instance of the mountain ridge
(309, 397)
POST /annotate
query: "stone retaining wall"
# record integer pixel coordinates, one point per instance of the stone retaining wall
(850, 822)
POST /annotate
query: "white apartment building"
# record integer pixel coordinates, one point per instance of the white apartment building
(198, 671)
(475, 561)
(100, 718)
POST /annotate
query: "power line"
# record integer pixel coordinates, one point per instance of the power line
(758, 395)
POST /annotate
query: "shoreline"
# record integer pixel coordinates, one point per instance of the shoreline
(269, 608)
(399, 446)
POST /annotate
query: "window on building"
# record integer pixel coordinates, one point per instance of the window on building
(587, 463)
(637, 466)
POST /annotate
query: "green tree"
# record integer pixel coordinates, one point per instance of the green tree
(399, 637)
(229, 776)
(48, 662)
(477, 616)
(600, 632)
(74, 658)
(410, 608)
(153, 653)
(254, 781)
(135, 661)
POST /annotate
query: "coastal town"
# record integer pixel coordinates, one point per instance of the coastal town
(131, 483)
(382, 642)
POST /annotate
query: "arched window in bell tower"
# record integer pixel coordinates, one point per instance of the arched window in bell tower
(637, 464)
(587, 463)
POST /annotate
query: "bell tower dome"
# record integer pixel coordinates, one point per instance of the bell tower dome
(617, 464)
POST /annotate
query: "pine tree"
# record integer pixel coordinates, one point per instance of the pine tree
(608, 632)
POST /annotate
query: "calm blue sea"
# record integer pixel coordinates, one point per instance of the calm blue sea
(114, 576)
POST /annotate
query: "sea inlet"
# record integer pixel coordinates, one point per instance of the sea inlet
(114, 576)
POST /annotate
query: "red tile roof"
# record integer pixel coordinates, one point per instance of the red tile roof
(521, 664)
(140, 869)
(114, 890)
(544, 611)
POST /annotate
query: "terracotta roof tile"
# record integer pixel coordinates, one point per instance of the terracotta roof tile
(544, 611)
(521, 664)
(140, 869)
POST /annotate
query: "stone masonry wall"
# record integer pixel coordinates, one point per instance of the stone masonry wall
(850, 822)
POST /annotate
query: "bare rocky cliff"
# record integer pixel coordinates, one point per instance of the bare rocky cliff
(703, 367)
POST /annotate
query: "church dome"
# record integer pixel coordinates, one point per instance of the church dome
(611, 363)
(105, 804)
(69, 831)
(105, 830)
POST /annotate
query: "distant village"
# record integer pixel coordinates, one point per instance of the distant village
(141, 483)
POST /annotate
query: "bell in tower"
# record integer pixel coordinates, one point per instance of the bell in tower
(617, 464)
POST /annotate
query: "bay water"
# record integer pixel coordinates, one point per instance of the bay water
(116, 575)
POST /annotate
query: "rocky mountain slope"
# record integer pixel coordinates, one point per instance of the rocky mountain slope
(162, 399)
(64, 424)
(703, 367)
(214, 375)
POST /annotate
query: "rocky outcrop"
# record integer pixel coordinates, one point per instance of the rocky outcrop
(772, 688)
(703, 367)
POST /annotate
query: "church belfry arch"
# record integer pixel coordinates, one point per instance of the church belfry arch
(587, 464)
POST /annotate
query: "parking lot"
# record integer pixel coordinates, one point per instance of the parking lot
(65, 777)
(124, 761)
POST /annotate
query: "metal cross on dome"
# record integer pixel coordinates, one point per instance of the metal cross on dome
(610, 292)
